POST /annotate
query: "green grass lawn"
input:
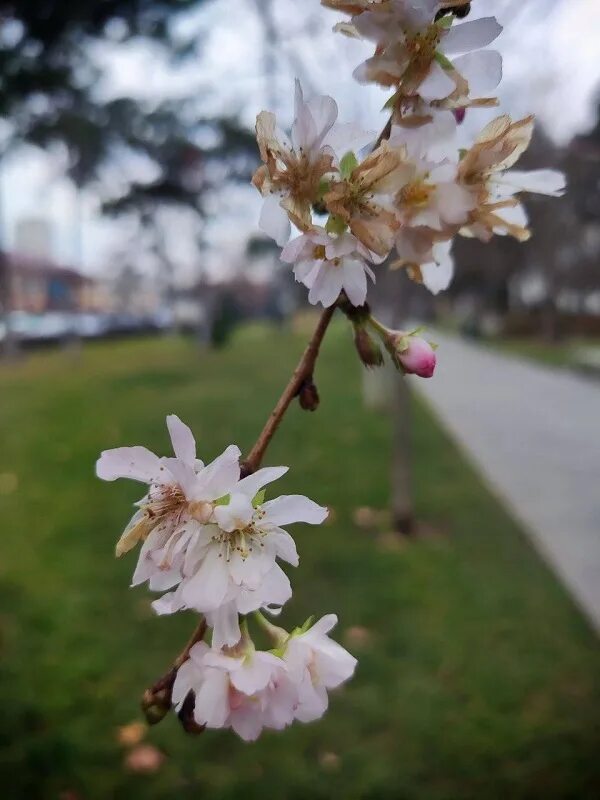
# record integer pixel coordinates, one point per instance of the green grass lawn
(477, 677)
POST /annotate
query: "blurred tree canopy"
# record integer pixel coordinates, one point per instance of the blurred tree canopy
(48, 96)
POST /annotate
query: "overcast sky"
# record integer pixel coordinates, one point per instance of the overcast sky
(551, 52)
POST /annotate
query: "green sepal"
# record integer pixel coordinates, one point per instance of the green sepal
(335, 225)
(444, 62)
(280, 650)
(402, 343)
(324, 186)
(259, 498)
(223, 501)
(348, 164)
(462, 153)
(304, 627)
(391, 101)
(445, 22)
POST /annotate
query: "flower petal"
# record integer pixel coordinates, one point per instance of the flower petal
(212, 700)
(235, 515)
(293, 249)
(437, 85)
(206, 590)
(225, 624)
(348, 138)
(274, 220)
(247, 722)
(471, 35)
(438, 275)
(355, 281)
(255, 672)
(220, 476)
(540, 181)
(324, 112)
(275, 590)
(326, 285)
(255, 482)
(182, 439)
(183, 474)
(293, 508)
(137, 463)
(482, 70)
(285, 547)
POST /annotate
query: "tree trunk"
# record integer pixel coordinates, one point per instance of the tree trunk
(391, 304)
(402, 509)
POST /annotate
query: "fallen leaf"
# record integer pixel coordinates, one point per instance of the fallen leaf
(144, 759)
(132, 734)
(365, 517)
(357, 636)
(329, 761)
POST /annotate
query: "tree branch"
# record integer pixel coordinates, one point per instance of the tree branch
(302, 374)
(156, 700)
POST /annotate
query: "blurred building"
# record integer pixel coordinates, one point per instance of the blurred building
(36, 284)
(33, 237)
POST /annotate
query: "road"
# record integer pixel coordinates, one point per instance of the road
(534, 434)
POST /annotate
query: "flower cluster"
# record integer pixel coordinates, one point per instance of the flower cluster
(211, 541)
(413, 190)
(247, 689)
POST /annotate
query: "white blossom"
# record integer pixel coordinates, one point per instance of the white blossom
(427, 57)
(246, 691)
(328, 264)
(316, 663)
(207, 535)
(293, 168)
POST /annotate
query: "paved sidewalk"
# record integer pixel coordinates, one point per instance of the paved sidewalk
(535, 435)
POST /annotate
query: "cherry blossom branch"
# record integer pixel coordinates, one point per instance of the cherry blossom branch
(300, 381)
(302, 376)
(156, 700)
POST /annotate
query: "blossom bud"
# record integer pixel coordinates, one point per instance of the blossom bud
(308, 396)
(367, 348)
(186, 716)
(155, 705)
(412, 354)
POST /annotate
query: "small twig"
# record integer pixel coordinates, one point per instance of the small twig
(156, 701)
(385, 133)
(303, 372)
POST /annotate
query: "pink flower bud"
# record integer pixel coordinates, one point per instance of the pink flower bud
(415, 355)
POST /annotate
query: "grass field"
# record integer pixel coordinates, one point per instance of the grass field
(477, 677)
